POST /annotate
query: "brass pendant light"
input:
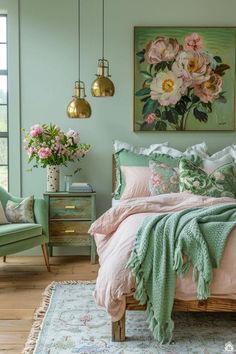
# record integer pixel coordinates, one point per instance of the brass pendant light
(79, 106)
(102, 86)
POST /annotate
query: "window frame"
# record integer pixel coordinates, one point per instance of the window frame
(11, 8)
(5, 135)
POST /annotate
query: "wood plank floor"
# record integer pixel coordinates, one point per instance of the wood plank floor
(22, 281)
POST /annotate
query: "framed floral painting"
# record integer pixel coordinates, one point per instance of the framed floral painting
(184, 78)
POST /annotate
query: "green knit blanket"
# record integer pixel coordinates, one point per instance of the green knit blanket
(157, 257)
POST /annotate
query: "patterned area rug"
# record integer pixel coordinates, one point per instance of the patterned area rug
(69, 322)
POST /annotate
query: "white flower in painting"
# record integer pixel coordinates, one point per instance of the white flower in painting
(167, 88)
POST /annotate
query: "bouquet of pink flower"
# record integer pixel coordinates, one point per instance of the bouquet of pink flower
(49, 145)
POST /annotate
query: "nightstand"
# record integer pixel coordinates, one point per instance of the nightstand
(69, 218)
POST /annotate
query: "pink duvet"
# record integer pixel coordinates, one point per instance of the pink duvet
(115, 233)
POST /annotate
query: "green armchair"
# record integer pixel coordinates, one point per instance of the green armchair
(20, 237)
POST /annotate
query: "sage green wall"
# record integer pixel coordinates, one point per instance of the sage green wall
(49, 67)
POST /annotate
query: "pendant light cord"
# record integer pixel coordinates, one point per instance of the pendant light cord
(103, 29)
(79, 37)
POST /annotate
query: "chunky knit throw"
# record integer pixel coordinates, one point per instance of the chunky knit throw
(199, 234)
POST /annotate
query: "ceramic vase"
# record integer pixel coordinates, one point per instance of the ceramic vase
(52, 178)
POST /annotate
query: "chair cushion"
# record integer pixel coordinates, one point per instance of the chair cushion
(16, 232)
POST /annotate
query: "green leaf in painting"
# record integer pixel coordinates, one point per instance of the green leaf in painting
(144, 99)
(147, 127)
(221, 99)
(160, 125)
(158, 112)
(146, 73)
(172, 116)
(158, 67)
(201, 116)
(218, 59)
(149, 107)
(181, 107)
(194, 98)
(141, 53)
(143, 92)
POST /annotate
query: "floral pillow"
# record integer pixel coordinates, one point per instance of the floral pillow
(164, 178)
(20, 212)
(219, 183)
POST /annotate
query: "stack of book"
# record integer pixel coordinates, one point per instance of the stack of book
(77, 187)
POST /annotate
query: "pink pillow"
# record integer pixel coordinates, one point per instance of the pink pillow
(136, 181)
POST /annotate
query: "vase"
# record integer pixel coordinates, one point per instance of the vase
(52, 178)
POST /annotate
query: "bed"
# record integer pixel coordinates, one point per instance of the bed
(115, 285)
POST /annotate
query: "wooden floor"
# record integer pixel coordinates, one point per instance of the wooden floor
(22, 281)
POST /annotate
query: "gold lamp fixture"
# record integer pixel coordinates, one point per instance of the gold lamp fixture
(102, 86)
(79, 106)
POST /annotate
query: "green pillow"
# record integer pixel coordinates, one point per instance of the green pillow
(220, 183)
(129, 158)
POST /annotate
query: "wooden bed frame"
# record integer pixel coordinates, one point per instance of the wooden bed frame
(210, 305)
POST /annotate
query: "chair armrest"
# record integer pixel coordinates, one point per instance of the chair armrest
(41, 214)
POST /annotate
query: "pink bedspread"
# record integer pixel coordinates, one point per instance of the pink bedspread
(115, 233)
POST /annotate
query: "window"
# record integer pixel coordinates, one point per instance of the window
(3, 103)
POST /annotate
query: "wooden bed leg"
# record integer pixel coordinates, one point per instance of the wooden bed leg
(118, 330)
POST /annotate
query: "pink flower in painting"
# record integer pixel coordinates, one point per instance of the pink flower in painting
(161, 49)
(193, 42)
(44, 153)
(167, 88)
(209, 90)
(192, 67)
(36, 130)
(151, 118)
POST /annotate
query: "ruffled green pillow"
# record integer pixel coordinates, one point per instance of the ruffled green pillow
(219, 183)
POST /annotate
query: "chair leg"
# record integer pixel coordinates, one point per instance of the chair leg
(45, 255)
(4, 258)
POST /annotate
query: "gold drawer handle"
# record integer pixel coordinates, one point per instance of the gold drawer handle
(69, 206)
(70, 231)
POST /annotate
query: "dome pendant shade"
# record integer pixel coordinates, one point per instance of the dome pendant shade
(79, 107)
(102, 86)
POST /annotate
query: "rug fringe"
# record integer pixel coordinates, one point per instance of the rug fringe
(42, 309)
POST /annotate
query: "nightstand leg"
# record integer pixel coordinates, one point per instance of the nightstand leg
(50, 251)
(93, 251)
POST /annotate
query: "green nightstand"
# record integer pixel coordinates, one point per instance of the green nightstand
(70, 216)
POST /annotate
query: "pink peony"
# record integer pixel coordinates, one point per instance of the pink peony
(161, 49)
(36, 130)
(167, 88)
(192, 67)
(193, 42)
(209, 90)
(44, 153)
(151, 118)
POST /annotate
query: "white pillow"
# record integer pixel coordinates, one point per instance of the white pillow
(198, 149)
(120, 145)
(228, 150)
(3, 219)
(209, 165)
